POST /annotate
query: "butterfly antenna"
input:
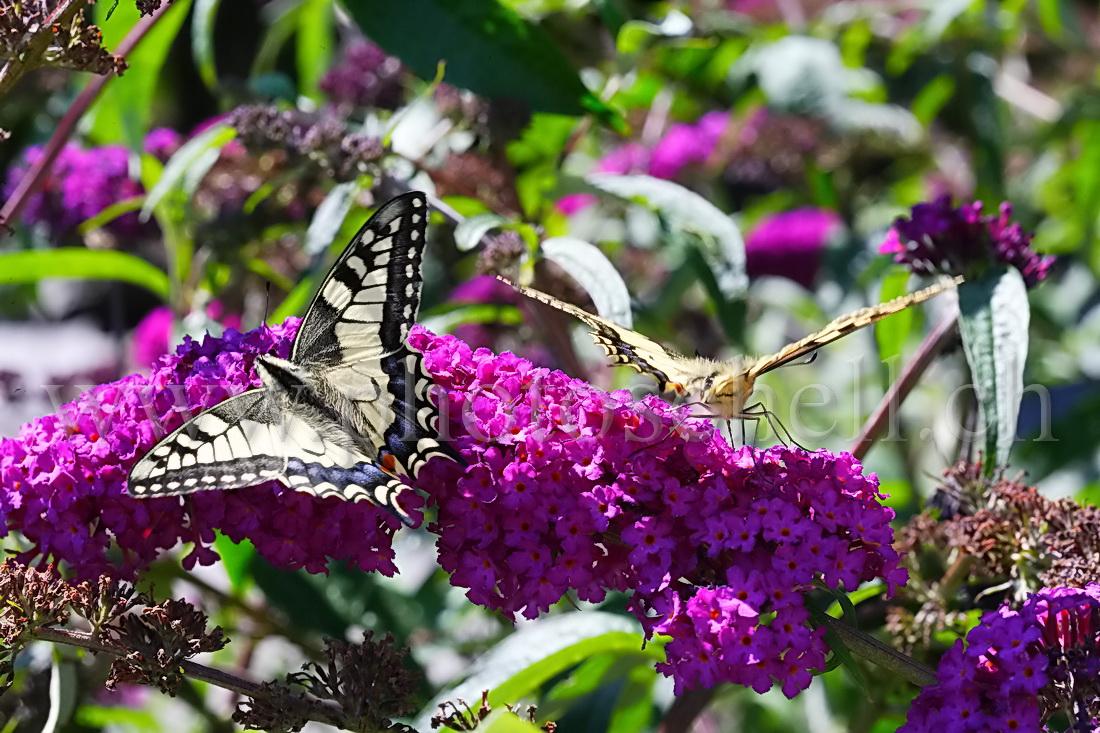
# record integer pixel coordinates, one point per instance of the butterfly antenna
(267, 302)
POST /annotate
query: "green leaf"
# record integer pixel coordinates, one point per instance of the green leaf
(537, 652)
(724, 247)
(505, 721)
(112, 212)
(446, 321)
(122, 111)
(891, 333)
(470, 230)
(237, 558)
(586, 264)
(633, 711)
(329, 217)
(186, 165)
(202, 41)
(488, 49)
(314, 47)
(993, 319)
(836, 645)
(79, 263)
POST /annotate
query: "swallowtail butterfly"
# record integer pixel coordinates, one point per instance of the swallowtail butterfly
(723, 386)
(349, 412)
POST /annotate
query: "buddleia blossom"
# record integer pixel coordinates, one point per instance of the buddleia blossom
(790, 244)
(570, 489)
(1018, 667)
(81, 184)
(939, 237)
(62, 481)
(366, 76)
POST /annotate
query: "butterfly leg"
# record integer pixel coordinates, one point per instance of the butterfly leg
(760, 412)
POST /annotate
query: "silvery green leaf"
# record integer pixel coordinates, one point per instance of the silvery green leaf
(586, 264)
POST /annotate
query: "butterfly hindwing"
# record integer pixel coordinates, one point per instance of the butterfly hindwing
(623, 346)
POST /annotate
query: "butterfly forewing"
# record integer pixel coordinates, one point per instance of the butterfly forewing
(845, 325)
(371, 296)
(233, 444)
(623, 346)
(350, 410)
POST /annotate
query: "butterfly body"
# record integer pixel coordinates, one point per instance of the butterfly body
(723, 387)
(349, 413)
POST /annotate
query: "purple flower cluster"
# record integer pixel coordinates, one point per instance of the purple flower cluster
(365, 77)
(939, 237)
(81, 184)
(574, 489)
(790, 244)
(62, 482)
(567, 489)
(1016, 664)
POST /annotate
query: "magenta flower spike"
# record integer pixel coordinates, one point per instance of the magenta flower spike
(568, 490)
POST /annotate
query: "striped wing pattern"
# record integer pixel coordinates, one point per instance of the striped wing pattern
(350, 412)
(845, 325)
(675, 372)
(623, 346)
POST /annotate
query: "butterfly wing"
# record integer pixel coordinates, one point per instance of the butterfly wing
(353, 409)
(354, 336)
(231, 445)
(843, 326)
(625, 347)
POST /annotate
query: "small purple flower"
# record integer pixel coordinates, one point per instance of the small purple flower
(366, 76)
(939, 237)
(81, 184)
(685, 145)
(1016, 665)
(162, 143)
(790, 244)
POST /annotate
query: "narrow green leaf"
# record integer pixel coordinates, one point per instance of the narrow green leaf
(85, 264)
(470, 230)
(724, 247)
(202, 41)
(329, 217)
(446, 322)
(586, 264)
(993, 319)
(520, 664)
(505, 721)
(836, 643)
(191, 155)
(314, 47)
(122, 111)
(111, 213)
(488, 48)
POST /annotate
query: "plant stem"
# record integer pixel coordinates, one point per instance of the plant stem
(932, 345)
(32, 181)
(19, 64)
(321, 711)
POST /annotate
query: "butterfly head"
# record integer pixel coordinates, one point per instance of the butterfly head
(726, 391)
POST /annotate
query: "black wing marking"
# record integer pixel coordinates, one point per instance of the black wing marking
(623, 346)
(371, 296)
(231, 445)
